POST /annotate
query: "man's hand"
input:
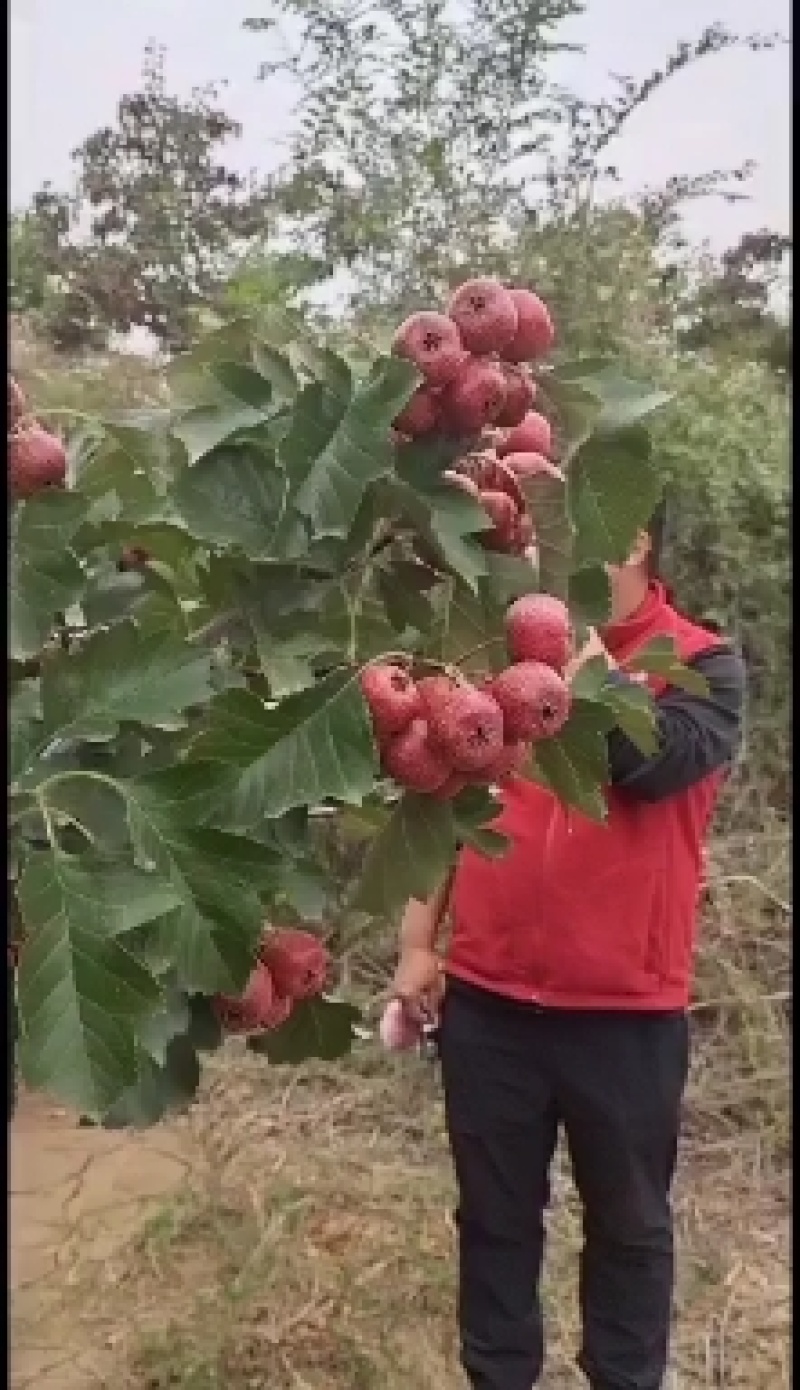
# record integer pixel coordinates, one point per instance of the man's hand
(419, 983)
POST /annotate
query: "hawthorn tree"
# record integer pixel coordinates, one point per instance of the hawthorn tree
(180, 730)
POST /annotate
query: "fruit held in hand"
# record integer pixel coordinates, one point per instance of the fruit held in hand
(532, 466)
(538, 628)
(535, 333)
(433, 343)
(474, 398)
(486, 315)
(16, 402)
(520, 395)
(397, 1030)
(532, 436)
(298, 962)
(412, 760)
(534, 699)
(392, 697)
(422, 414)
(36, 460)
(465, 724)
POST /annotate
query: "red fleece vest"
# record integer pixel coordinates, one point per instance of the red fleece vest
(585, 916)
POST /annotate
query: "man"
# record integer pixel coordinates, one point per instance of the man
(567, 983)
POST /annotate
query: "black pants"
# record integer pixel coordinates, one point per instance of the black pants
(512, 1075)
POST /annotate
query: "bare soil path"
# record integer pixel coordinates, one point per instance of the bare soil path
(72, 1191)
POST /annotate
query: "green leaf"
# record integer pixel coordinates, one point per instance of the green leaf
(234, 497)
(625, 402)
(659, 657)
(218, 879)
(634, 713)
(45, 577)
(317, 745)
(589, 595)
(122, 675)
(160, 1087)
(81, 992)
(321, 1028)
(202, 429)
(575, 406)
(574, 764)
(276, 368)
(548, 504)
(612, 492)
(408, 858)
(243, 382)
(359, 452)
(286, 330)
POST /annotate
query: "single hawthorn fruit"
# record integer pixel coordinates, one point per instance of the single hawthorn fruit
(486, 315)
(422, 414)
(298, 962)
(466, 724)
(532, 436)
(413, 761)
(474, 398)
(534, 699)
(433, 343)
(392, 697)
(36, 460)
(538, 628)
(535, 333)
(520, 395)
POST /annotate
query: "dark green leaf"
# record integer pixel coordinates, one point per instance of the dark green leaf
(45, 577)
(589, 595)
(574, 764)
(82, 994)
(359, 452)
(234, 497)
(321, 1028)
(612, 493)
(634, 713)
(317, 745)
(659, 657)
(408, 858)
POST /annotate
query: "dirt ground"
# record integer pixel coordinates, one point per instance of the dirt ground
(295, 1233)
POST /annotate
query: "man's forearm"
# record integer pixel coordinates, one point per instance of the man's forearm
(421, 921)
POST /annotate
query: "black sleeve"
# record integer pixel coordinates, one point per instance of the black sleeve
(696, 735)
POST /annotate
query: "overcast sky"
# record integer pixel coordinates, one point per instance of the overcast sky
(71, 59)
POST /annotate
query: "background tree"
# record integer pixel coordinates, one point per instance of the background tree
(155, 225)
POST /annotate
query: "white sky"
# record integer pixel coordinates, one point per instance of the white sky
(71, 59)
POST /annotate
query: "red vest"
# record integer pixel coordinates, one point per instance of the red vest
(586, 916)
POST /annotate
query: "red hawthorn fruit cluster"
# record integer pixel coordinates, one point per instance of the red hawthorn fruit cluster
(35, 458)
(441, 733)
(477, 382)
(290, 966)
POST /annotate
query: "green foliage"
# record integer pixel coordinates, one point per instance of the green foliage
(176, 737)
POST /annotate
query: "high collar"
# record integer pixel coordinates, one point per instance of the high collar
(627, 634)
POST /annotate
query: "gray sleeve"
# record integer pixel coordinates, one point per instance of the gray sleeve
(696, 735)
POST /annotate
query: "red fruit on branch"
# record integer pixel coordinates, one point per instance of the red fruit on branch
(520, 395)
(412, 760)
(532, 465)
(433, 343)
(532, 436)
(486, 315)
(474, 399)
(465, 724)
(258, 1009)
(298, 962)
(534, 699)
(133, 557)
(538, 628)
(422, 414)
(17, 404)
(36, 460)
(510, 759)
(503, 513)
(392, 697)
(535, 333)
